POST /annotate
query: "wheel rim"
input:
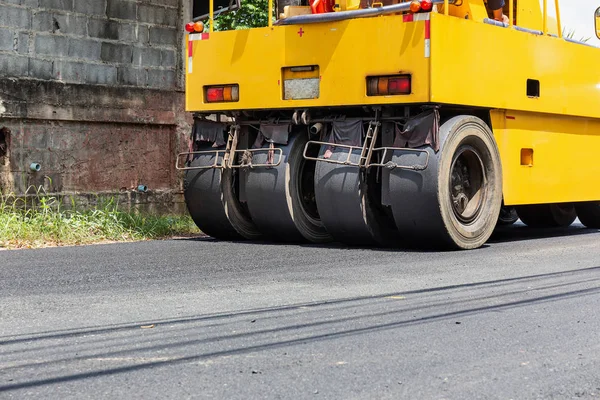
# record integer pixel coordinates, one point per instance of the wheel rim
(468, 184)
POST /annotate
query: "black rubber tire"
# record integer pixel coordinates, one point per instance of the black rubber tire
(508, 216)
(346, 204)
(547, 215)
(213, 204)
(421, 201)
(589, 214)
(274, 195)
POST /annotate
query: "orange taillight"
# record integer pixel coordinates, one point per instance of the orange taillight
(382, 84)
(199, 26)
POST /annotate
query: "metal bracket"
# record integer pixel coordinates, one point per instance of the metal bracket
(247, 156)
(216, 164)
(229, 155)
(366, 150)
(393, 165)
(344, 146)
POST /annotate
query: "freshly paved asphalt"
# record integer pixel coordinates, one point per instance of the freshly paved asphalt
(517, 319)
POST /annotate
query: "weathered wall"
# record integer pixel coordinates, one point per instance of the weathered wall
(93, 91)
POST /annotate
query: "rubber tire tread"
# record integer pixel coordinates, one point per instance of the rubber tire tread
(212, 204)
(346, 209)
(273, 199)
(546, 216)
(589, 214)
(421, 199)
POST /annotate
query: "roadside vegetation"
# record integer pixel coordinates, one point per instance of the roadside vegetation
(41, 220)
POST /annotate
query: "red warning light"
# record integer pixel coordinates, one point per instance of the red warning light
(426, 5)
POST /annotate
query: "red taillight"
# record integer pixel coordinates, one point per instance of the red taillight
(399, 85)
(221, 94)
(214, 95)
(388, 85)
(189, 27)
(426, 5)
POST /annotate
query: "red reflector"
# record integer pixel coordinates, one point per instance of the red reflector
(399, 85)
(214, 94)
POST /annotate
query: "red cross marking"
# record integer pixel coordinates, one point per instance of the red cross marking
(300, 32)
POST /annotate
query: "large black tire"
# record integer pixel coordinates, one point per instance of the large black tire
(347, 203)
(213, 204)
(589, 214)
(281, 199)
(547, 215)
(508, 216)
(455, 202)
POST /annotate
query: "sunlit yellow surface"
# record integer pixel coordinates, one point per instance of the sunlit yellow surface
(346, 53)
(566, 164)
(472, 65)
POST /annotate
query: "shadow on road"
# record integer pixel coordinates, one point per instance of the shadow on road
(44, 358)
(521, 232)
(503, 234)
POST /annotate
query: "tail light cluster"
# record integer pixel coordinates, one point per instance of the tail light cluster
(421, 5)
(194, 27)
(388, 85)
(221, 94)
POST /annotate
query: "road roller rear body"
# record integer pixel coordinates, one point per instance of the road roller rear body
(418, 123)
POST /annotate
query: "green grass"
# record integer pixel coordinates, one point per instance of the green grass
(40, 220)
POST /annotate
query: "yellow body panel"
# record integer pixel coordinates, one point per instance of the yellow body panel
(566, 160)
(562, 126)
(472, 65)
(346, 53)
(492, 71)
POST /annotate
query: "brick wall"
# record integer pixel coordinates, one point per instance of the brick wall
(93, 91)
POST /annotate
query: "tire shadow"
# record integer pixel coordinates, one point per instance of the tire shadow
(502, 234)
(521, 232)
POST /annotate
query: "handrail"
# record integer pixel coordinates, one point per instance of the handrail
(533, 31)
(211, 15)
(271, 12)
(545, 22)
(342, 15)
(558, 18)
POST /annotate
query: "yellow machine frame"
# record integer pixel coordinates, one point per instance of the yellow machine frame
(548, 137)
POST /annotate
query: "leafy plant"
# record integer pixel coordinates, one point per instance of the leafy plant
(571, 34)
(251, 14)
(38, 219)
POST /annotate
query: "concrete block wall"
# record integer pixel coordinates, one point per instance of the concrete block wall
(93, 91)
(104, 42)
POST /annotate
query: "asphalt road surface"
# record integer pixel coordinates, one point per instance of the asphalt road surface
(198, 318)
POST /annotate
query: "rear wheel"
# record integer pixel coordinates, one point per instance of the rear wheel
(345, 204)
(589, 214)
(456, 200)
(508, 216)
(281, 199)
(547, 215)
(211, 199)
